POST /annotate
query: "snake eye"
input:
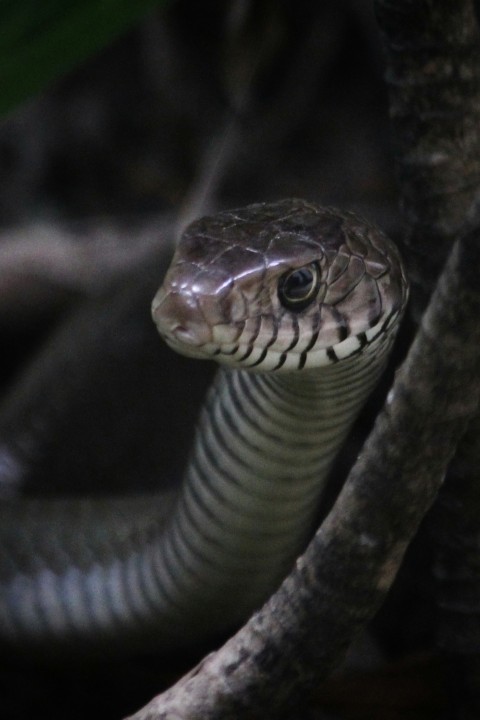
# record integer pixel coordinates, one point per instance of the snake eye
(298, 288)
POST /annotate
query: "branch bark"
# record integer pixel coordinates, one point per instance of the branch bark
(433, 56)
(454, 524)
(302, 632)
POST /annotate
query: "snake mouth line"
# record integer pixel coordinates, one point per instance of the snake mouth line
(253, 358)
(248, 356)
(199, 352)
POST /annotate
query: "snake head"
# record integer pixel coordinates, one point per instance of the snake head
(285, 285)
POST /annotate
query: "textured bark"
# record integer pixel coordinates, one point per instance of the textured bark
(433, 49)
(433, 74)
(455, 526)
(304, 629)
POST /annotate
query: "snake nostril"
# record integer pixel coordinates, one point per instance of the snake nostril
(191, 333)
(177, 317)
(184, 334)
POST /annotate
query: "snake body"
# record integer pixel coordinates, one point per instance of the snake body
(300, 306)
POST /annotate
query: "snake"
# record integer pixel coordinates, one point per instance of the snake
(299, 306)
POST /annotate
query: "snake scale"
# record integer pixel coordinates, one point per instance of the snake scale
(299, 305)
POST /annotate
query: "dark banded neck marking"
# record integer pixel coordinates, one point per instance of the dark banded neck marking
(281, 362)
(332, 355)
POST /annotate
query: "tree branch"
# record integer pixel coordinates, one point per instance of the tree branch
(433, 54)
(455, 527)
(433, 74)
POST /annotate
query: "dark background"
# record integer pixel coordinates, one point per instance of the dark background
(128, 131)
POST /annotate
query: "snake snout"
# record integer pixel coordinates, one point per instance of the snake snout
(188, 334)
(179, 320)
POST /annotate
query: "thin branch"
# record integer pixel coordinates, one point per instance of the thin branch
(41, 263)
(302, 632)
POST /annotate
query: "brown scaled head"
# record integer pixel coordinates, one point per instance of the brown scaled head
(285, 285)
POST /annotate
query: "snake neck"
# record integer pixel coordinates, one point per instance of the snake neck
(262, 452)
(263, 449)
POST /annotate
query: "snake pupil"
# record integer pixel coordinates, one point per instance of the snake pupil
(298, 288)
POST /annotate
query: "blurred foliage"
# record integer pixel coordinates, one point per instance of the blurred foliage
(239, 100)
(42, 40)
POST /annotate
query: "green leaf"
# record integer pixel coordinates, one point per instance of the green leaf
(43, 39)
